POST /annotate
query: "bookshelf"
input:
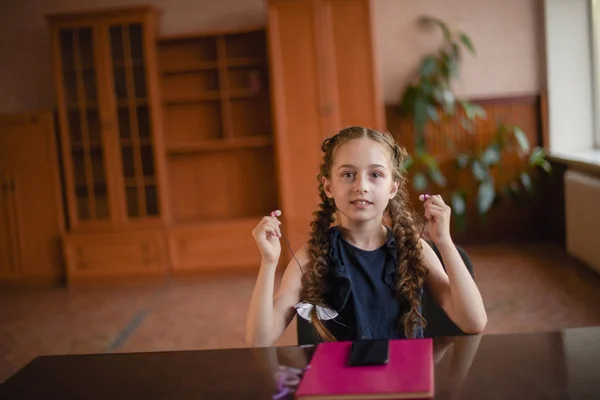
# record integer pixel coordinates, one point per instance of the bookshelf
(218, 133)
(111, 143)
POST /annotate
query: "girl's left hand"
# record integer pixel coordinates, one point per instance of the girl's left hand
(438, 218)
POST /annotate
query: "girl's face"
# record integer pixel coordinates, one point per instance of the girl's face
(361, 181)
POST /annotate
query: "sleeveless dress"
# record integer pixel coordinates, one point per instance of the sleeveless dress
(362, 291)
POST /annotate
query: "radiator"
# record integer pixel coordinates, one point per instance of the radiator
(582, 213)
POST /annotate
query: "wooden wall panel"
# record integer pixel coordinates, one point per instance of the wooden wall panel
(523, 219)
(354, 47)
(221, 185)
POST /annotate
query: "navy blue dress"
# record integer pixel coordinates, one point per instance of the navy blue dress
(362, 291)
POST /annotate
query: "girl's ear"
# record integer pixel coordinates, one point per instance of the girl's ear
(327, 187)
(394, 190)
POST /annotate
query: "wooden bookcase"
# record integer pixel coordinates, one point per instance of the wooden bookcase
(113, 156)
(219, 145)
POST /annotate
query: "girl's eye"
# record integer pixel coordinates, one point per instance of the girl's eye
(347, 175)
(377, 174)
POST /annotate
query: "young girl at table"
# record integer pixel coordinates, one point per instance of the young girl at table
(362, 272)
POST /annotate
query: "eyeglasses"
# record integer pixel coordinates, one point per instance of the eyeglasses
(287, 380)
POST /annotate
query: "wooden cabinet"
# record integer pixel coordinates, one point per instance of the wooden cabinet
(219, 144)
(107, 94)
(324, 78)
(94, 257)
(31, 217)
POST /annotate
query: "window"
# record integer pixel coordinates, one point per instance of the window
(594, 12)
(571, 76)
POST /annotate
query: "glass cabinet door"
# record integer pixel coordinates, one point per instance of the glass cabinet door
(86, 151)
(135, 131)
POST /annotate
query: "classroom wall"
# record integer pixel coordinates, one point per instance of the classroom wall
(507, 34)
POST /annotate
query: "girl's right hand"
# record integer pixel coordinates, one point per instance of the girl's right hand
(267, 234)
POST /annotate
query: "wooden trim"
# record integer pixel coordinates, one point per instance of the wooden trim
(64, 130)
(544, 120)
(109, 124)
(165, 39)
(85, 16)
(490, 101)
(26, 117)
(133, 125)
(33, 281)
(221, 145)
(48, 119)
(12, 213)
(156, 118)
(129, 277)
(222, 74)
(505, 100)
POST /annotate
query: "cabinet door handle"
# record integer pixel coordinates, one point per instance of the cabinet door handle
(14, 223)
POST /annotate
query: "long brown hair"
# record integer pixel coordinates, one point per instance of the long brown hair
(411, 271)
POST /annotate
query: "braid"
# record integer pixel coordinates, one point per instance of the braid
(411, 271)
(313, 282)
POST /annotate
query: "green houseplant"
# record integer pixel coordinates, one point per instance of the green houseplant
(430, 101)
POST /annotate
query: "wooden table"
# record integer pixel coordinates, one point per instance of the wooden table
(554, 365)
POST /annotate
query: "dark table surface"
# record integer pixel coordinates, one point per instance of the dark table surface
(555, 365)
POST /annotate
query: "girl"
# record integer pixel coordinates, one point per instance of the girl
(363, 276)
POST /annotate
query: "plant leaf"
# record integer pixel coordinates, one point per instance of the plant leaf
(407, 101)
(526, 181)
(450, 143)
(433, 169)
(485, 196)
(537, 156)
(466, 40)
(428, 66)
(456, 51)
(462, 160)
(420, 181)
(546, 166)
(433, 113)
(514, 187)
(438, 22)
(473, 110)
(521, 139)
(420, 114)
(479, 171)
(437, 176)
(453, 68)
(458, 203)
(491, 156)
(466, 124)
(449, 101)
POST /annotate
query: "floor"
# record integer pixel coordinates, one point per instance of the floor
(526, 288)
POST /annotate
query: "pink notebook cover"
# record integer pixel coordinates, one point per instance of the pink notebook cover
(408, 375)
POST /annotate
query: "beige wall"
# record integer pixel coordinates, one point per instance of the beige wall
(508, 35)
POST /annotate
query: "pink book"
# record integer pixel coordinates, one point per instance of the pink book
(407, 375)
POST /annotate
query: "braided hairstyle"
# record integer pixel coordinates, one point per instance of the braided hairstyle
(411, 271)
